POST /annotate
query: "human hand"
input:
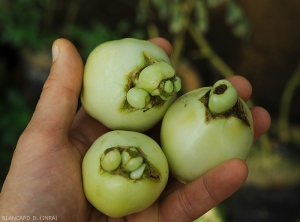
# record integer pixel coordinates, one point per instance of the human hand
(45, 174)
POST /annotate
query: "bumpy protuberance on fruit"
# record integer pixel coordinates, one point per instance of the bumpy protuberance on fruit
(177, 84)
(125, 161)
(136, 174)
(111, 160)
(223, 96)
(157, 79)
(133, 164)
(138, 98)
(151, 76)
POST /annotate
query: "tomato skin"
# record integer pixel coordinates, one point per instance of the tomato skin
(193, 146)
(115, 195)
(107, 79)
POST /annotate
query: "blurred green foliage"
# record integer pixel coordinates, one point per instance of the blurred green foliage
(35, 24)
(21, 23)
(178, 13)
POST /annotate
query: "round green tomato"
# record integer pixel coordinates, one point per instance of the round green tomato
(124, 172)
(128, 84)
(195, 139)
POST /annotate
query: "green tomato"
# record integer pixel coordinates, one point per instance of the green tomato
(124, 172)
(128, 84)
(204, 128)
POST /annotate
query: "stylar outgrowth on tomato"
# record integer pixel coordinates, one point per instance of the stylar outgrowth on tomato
(124, 172)
(129, 84)
(205, 127)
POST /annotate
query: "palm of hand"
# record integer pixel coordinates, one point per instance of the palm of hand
(45, 174)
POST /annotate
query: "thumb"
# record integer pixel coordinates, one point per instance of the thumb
(197, 197)
(57, 106)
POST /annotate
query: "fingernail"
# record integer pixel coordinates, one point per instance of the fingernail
(55, 51)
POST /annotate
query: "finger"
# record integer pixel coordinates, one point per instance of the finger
(261, 118)
(192, 200)
(261, 121)
(85, 130)
(242, 85)
(163, 43)
(58, 102)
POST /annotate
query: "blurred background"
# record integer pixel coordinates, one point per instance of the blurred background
(212, 39)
